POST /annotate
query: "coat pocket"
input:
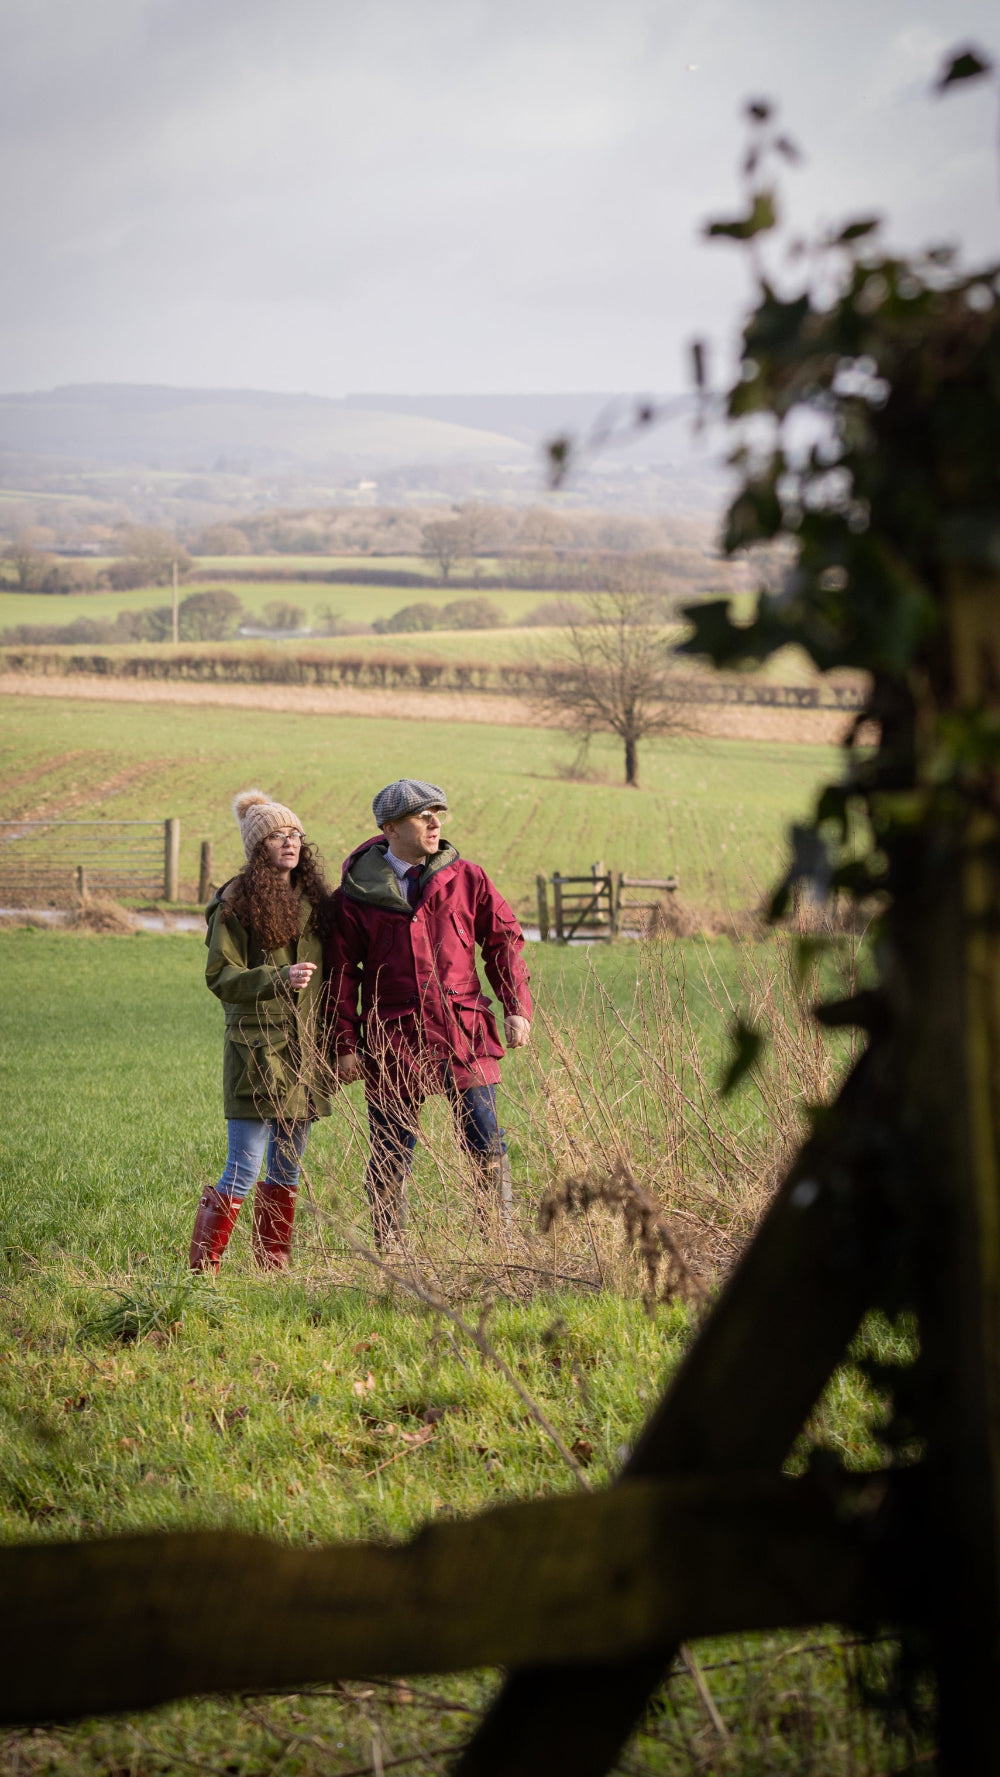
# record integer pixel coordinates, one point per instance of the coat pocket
(464, 930)
(267, 1070)
(475, 1019)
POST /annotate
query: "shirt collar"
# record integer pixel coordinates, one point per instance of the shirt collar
(398, 865)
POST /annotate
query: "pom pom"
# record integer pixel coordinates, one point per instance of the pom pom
(248, 799)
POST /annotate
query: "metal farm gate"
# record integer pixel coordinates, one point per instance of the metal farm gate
(53, 862)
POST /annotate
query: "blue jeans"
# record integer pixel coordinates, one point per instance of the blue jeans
(392, 1128)
(285, 1145)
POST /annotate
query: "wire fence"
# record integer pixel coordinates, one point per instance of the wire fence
(56, 862)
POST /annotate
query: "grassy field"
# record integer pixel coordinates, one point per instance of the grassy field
(714, 811)
(320, 1406)
(354, 604)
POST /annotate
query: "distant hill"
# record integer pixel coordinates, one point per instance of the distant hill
(527, 418)
(244, 431)
(100, 453)
(533, 419)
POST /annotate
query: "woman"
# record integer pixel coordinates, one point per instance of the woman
(264, 951)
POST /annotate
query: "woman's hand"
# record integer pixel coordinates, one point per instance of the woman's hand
(300, 974)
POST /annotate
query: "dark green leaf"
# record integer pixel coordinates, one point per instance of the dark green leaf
(759, 110)
(747, 1046)
(968, 64)
(866, 1010)
(754, 516)
(856, 231)
(832, 806)
(760, 217)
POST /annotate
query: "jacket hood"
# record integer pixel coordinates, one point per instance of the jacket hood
(368, 876)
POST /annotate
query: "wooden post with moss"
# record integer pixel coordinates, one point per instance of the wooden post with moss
(171, 858)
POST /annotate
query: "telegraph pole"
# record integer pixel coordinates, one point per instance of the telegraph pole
(176, 636)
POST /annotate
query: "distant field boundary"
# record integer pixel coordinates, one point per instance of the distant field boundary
(249, 666)
(588, 575)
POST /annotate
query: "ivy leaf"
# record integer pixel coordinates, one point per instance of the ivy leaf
(754, 516)
(761, 216)
(747, 1047)
(856, 231)
(559, 452)
(968, 64)
(714, 632)
(832, 806)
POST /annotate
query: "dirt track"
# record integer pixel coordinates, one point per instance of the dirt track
(719, 721)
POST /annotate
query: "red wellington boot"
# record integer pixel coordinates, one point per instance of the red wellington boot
(213, 1225)
(273, 1215)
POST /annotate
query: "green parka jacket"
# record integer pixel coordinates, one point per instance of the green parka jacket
(270, 1050)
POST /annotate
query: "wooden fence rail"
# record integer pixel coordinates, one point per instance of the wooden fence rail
(135, 1621)
(55, 859)
(597, 906)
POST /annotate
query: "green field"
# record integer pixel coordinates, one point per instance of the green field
(355, 604)
(298, 1407)
(713, 811)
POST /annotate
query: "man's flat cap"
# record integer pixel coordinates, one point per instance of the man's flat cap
(406, 796)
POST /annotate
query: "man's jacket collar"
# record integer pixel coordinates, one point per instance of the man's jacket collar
(370, 878)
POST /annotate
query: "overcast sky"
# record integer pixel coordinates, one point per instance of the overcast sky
(446, 195)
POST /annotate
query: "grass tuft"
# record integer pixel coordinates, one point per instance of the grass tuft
(158, 1311)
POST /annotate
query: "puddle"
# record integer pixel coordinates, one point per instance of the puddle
(195, 922)
(147, 922)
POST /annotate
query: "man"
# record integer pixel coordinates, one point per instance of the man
(407, 919)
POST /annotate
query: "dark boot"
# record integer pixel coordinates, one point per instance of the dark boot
(386, 1188)
(273, 1215)
(213, 1225)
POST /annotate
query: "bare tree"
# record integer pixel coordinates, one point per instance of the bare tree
(445, 542)
(612, 676)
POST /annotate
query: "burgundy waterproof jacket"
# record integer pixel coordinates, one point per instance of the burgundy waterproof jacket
(422, 1008)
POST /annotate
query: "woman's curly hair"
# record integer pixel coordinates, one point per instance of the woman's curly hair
(268, 903)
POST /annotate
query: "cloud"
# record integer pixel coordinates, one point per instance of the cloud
(435, 193)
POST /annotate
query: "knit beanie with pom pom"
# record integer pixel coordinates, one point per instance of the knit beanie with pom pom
(258, 816)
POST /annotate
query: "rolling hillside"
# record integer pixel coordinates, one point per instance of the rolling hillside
(242, 431)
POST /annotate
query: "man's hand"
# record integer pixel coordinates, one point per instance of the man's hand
(517, 1030)
(347, 1067)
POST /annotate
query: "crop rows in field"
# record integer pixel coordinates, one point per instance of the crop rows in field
(713, 811)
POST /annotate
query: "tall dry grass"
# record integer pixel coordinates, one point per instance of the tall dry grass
(630, 1172)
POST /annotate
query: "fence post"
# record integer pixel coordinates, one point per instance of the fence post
(615, 901)
(557, 904)
(81, 882)
(171, 857)
(543, 909)
(205, 871)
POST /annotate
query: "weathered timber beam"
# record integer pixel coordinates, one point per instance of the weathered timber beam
(133, 1621)
(738, 1401)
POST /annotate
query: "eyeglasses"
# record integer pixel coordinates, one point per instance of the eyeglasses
(427, 814)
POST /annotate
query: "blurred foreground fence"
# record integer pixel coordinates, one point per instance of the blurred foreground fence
(54, 861)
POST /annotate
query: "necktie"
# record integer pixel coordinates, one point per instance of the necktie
(413, 876)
